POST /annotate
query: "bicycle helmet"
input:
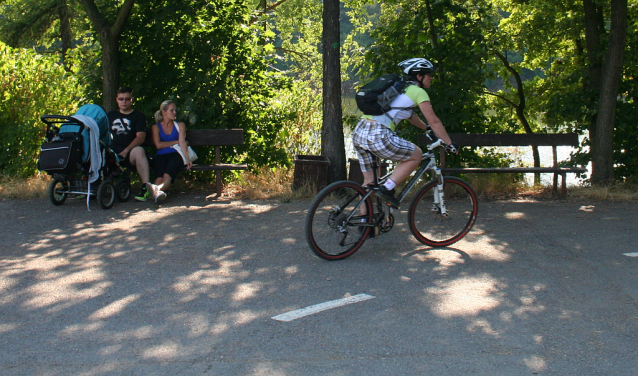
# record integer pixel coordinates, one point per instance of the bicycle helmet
(417, 65)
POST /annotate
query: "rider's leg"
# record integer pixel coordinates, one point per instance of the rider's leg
(405, 168)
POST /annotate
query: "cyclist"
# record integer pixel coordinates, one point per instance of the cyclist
(375, 133)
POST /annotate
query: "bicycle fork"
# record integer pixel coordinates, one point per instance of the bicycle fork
(439, 194)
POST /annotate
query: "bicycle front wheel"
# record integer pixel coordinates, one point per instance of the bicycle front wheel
(333, 223)
(431, 227)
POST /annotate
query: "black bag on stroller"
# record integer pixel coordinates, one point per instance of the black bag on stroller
(61, 157)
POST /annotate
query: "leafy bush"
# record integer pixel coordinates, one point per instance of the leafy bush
(31, 85)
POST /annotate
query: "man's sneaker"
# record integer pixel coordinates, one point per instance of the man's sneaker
(388, 196)
(143, 195)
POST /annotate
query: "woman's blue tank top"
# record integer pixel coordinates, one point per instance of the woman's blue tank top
(174, 136)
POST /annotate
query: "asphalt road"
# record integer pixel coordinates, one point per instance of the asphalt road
(191, 288)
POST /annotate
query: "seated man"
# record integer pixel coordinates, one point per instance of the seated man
(128, 128)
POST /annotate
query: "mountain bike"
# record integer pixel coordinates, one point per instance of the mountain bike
(344, 214)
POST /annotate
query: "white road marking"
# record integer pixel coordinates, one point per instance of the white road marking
(632, 254)
(299, 313)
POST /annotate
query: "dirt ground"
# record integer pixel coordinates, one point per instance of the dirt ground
(191, 286)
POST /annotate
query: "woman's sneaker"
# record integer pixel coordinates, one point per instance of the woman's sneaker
(161, 196)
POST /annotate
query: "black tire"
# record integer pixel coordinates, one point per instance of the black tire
(123, 190)
(106, 194)
(425, 219)
(329, 233)
(57, 186)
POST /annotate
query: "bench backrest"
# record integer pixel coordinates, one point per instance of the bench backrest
(214, 137)
(518, 139)
(208, 137)
(508, 139)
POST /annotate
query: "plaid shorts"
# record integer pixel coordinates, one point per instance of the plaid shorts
(371, 136)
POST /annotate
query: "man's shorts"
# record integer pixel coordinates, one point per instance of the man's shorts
(381, 141)
(124, 162)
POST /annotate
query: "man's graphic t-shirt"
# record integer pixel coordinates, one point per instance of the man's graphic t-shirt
(124, 127)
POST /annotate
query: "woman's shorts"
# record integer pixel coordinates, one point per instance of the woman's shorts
(381, 141)
(170, 163)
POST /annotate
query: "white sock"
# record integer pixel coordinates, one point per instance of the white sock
(390, 184)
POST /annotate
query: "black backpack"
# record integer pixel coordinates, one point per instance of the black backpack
(374, 98)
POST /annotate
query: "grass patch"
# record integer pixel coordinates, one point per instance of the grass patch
(268, 184)
(34, 187)
(614, 192)
(497, 186)
(277, 185)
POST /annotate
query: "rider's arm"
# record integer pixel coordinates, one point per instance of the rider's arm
(434, 121)
(417, 122)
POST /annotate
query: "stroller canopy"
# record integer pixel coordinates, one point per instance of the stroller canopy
(73, 125)
(99, 115)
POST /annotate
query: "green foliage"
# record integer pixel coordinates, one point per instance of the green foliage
(31, 85)
(207, 57)
(550, 37)
(301, 131)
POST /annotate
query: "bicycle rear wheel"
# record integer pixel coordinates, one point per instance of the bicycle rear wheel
(331, 224)
(427, 223)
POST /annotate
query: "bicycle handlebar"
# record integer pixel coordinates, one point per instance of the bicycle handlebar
(436, 144)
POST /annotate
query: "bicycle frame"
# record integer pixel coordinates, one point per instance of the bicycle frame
(439, 199)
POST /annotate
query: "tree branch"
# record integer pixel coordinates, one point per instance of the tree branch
(101, 24)
(508, 101)
(97, 19)
(517, 77)
(265, 9)
(122, 17)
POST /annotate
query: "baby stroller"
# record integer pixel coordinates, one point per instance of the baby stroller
(77, 156)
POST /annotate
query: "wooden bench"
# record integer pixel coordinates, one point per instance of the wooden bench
(553, 140)
(216, 138)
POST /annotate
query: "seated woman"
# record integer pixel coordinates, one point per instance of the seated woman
(168, 162)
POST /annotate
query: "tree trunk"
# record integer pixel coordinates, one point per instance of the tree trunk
(109, 38)
(110, 70)
(603, 143)
(332, 143)
(65, 30)
(594, 33)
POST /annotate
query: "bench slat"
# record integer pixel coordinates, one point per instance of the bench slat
(215, 137)
(221, 166)
(558, 170)
(510, 139)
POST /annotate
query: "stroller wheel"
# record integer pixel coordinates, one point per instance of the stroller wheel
(106, 194)
(123, 189)
(57, 192)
